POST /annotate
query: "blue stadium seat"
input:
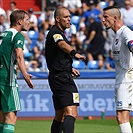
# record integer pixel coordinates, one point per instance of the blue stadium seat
(75, 20)
(33, 34)
(103, 4)
(79, 64)
(27, 55)
(92, 64)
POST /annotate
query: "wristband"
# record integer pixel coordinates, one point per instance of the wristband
(73, 52)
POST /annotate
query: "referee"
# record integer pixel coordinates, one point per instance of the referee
(59, 55)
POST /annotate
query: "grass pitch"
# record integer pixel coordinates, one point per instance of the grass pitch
(81, 126)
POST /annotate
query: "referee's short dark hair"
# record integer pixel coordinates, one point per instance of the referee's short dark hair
(57, 11)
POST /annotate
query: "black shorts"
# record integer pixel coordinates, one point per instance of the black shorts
(64, 90)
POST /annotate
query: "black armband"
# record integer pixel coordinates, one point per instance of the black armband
(73, 52)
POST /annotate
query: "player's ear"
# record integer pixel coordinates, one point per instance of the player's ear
(115, 17)
(19, 22)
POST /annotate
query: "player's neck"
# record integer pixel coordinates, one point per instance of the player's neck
(117, 26)
(17, 28)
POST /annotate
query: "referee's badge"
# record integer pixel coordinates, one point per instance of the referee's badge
(57, 37)
(75, 97)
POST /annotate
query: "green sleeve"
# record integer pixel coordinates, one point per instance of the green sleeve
(18, 40)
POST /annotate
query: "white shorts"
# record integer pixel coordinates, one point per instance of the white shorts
(124, 96)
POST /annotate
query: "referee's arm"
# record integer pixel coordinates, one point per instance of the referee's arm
(68, 49)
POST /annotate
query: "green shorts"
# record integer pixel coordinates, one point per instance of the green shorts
(9, 99)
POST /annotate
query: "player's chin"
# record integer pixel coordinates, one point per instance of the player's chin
(68, 26)
(108, 27)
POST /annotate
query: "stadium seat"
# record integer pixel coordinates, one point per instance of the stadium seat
(75, 20)
(33, 34)
(27, 55)
(103, 4)
(79, 64)
(92, 64)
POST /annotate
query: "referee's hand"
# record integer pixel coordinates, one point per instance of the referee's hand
(75, 73)
(79, 56)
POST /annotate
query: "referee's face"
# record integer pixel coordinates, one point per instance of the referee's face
(64, 19)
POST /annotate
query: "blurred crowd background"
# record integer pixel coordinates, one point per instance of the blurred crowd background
(87, 34)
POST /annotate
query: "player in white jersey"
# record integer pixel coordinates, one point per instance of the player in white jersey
(123, 57)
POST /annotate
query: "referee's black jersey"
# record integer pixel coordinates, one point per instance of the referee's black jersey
(57, 60)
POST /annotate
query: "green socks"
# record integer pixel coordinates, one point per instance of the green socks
(8, 128)
(1, 127)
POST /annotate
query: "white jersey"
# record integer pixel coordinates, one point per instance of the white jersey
(123, 58)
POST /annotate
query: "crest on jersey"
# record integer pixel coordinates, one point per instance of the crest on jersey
(116, 41)
(19, 42)
(57, 37)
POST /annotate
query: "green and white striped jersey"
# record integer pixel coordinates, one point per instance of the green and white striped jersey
(9, 41)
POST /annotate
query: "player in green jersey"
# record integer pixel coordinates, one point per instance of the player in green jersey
(11, 54)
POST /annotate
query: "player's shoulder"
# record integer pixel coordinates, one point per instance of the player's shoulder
(125, 28)
(126, 34)
(126, 31)
(8, 33)
(14, 33)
